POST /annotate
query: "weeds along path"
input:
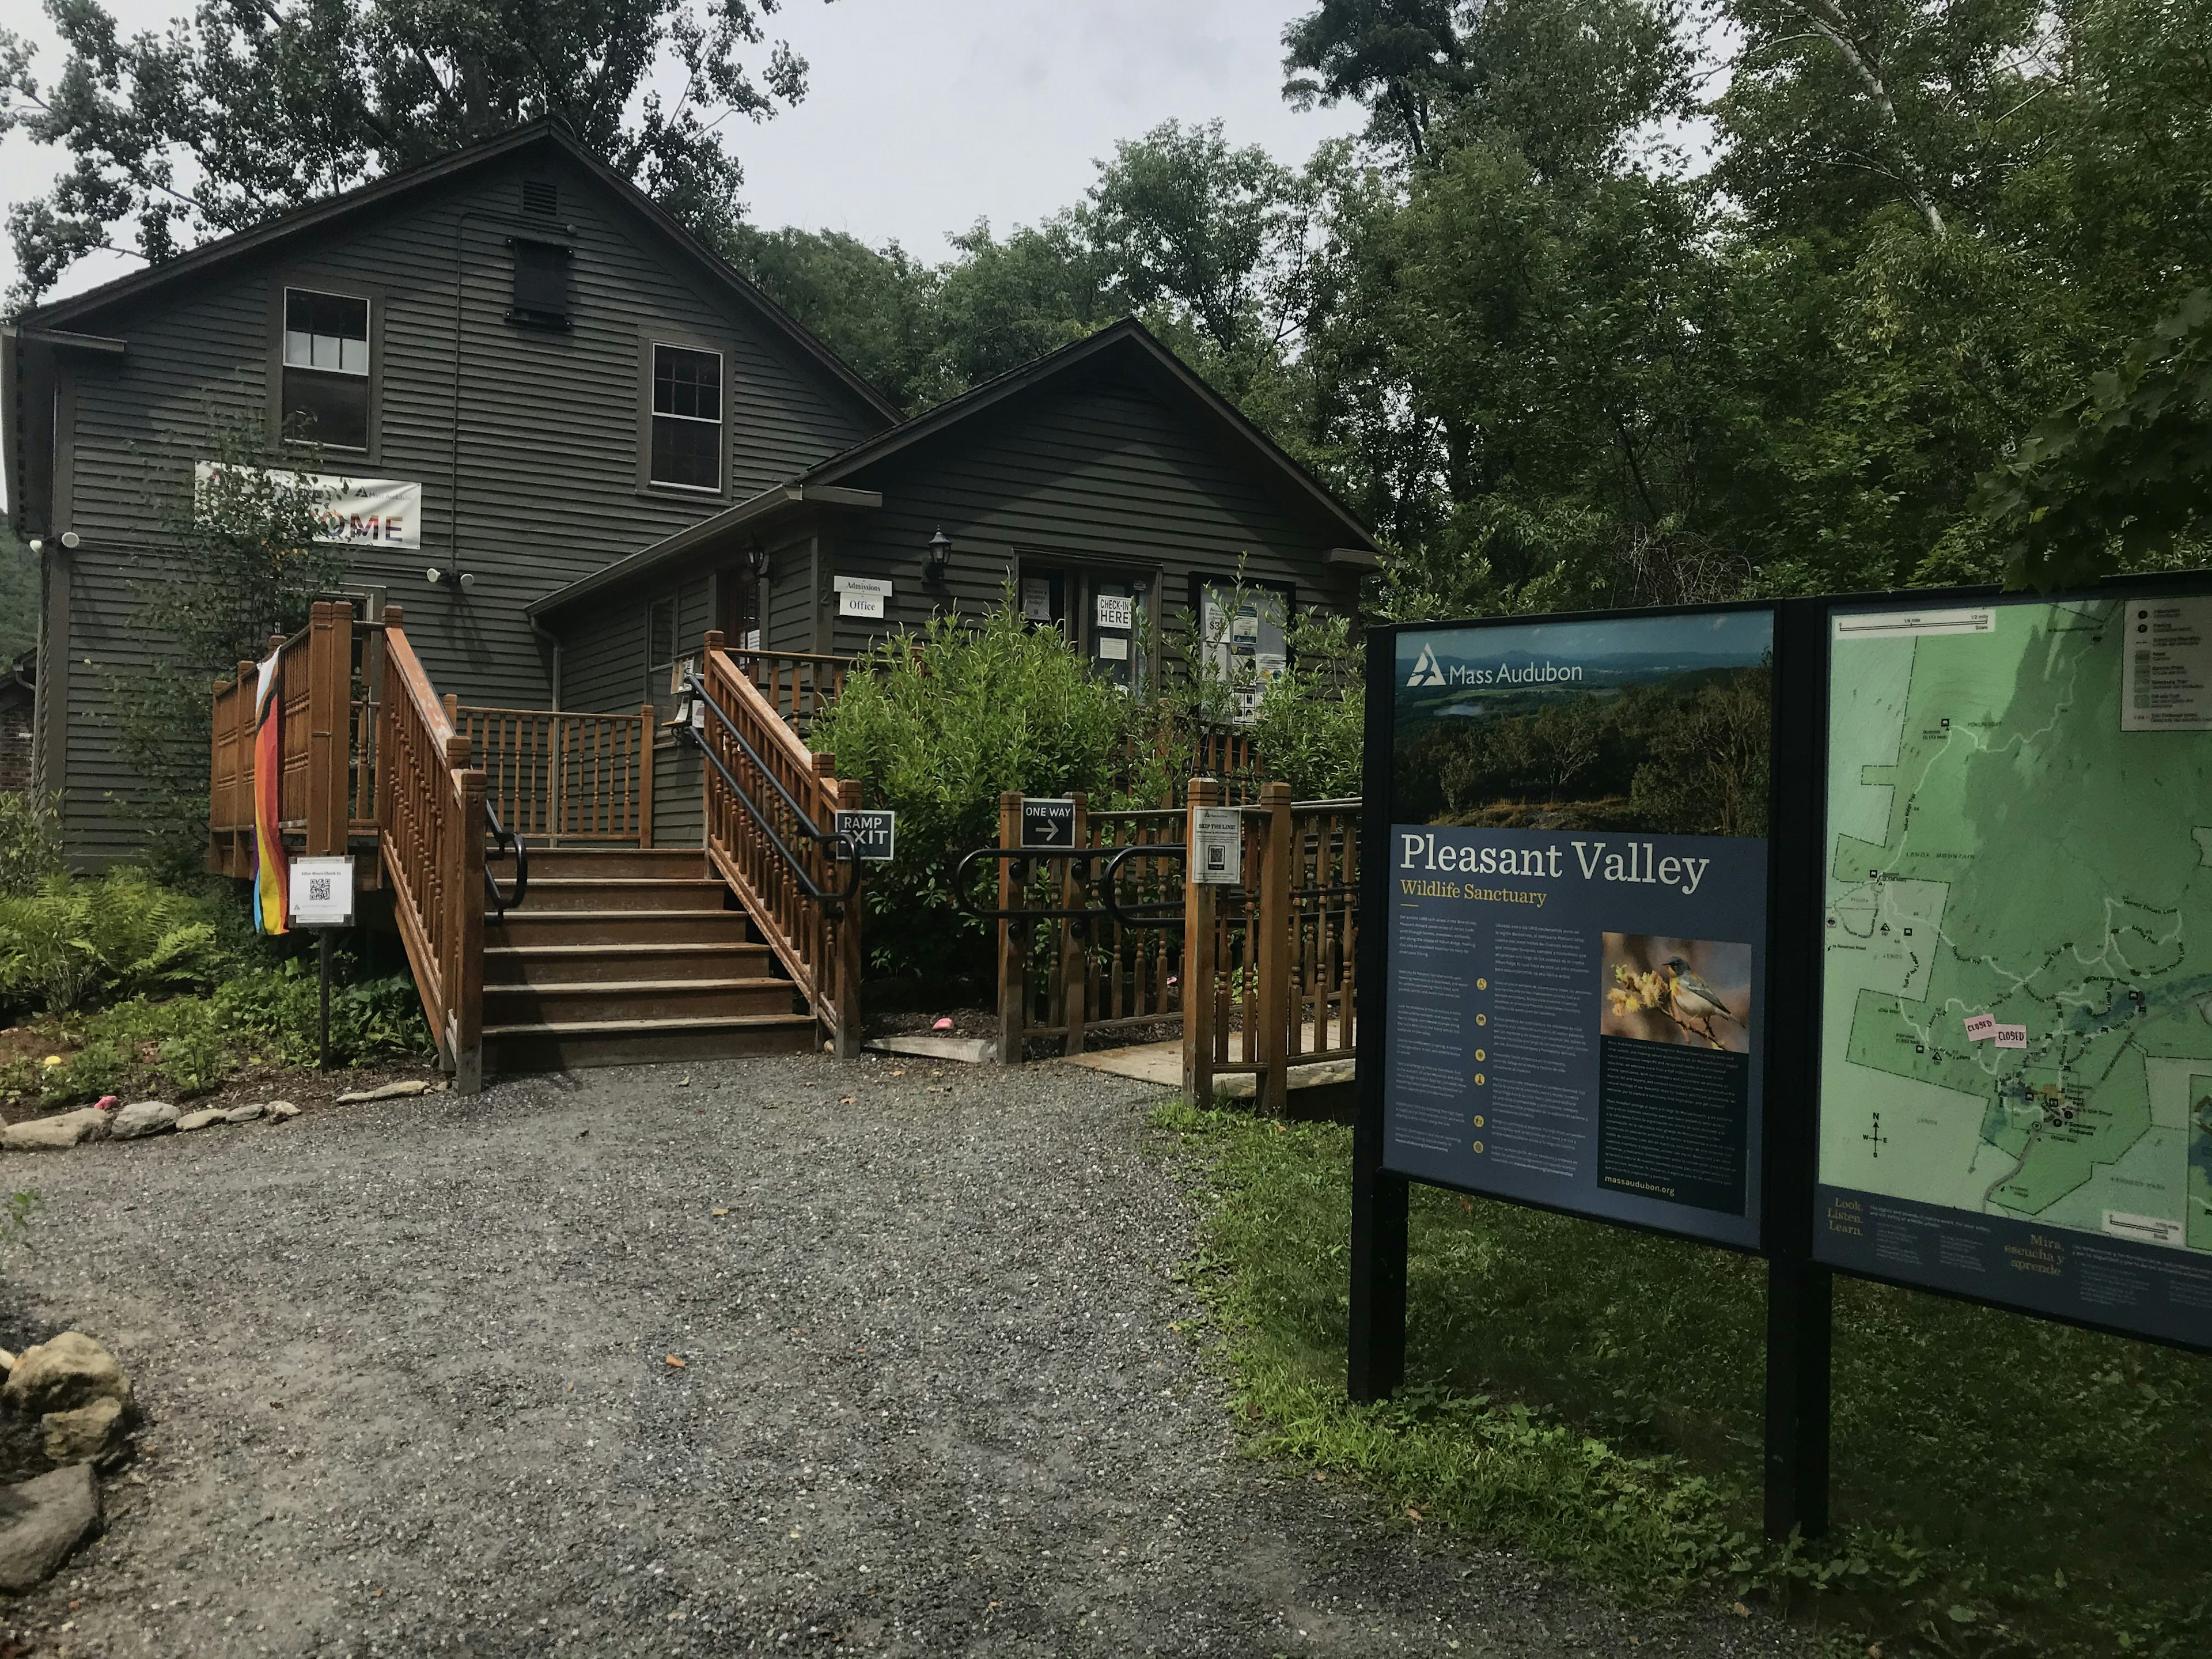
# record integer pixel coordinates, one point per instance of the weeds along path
(411, 1372)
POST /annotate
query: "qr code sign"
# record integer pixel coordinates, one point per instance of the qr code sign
(318, 890)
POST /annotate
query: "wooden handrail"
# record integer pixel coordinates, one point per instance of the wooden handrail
(430, 830)
(559, 775)
(762, 862)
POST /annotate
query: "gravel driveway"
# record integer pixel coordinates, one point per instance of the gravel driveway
(406, 1370)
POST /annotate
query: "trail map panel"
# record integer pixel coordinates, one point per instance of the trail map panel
(2017, 1029)
(1577, 932)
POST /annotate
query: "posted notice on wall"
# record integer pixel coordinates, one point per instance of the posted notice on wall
(380, 512)
(862, 596)
(1577, 923)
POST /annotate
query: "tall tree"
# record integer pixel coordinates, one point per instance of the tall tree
(242, 110)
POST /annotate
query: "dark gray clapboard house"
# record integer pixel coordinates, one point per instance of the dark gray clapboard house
(1105, 483)
(523, 370)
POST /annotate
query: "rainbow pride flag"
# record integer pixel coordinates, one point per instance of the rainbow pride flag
(271, 884)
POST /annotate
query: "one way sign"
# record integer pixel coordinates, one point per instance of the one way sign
(1048, 823)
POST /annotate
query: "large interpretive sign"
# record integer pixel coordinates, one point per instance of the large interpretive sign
(1576, 931)
(2016, 1035)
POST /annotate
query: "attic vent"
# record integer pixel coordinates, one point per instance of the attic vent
(541, 196)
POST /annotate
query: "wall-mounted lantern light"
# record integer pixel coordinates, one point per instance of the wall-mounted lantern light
(756, 558)
(937, 556)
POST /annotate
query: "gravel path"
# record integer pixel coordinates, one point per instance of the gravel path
(406, 1371)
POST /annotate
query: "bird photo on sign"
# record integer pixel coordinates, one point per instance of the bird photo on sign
(1694, 993)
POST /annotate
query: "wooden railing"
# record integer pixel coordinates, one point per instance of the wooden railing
(771, 855)
(1069, 980)
(319, 745)
(431, 829)
(1269, 960)
(796, 684)
(554, 777)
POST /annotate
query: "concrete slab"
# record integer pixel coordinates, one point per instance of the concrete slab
(969, 1051)
(1161, 1063)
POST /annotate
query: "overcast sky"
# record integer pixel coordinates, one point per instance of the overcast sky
(923, 116)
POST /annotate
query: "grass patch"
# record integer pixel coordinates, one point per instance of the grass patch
(2002, 1486)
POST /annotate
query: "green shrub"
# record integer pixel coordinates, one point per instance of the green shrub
(71, 942)
(935, 726)
(30, 844)
(1312, 718)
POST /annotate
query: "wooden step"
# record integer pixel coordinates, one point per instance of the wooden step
(554, 1047)
(530, 929)
(592, 964)
(634, 1000)
(616, 893)
(556, 863)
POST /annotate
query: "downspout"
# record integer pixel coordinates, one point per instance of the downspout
(553, 640)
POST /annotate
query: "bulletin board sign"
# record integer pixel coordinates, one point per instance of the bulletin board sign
(2015, 1011)
(1575, 935)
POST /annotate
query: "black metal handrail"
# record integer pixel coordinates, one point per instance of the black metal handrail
(835, 842)
(1144, 915)
(502, 836)
(1021, 855)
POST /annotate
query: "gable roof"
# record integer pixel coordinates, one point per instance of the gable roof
(1128, 344)
(317, 217)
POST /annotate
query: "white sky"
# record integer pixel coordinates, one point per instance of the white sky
(923, 116)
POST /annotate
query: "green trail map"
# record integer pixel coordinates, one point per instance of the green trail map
(2017, 1010)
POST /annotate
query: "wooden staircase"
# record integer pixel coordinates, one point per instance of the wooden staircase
(624, 955)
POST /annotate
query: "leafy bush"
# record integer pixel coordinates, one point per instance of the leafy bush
(186, 1045)
(1312, 717)
(30, 844)
(68, 942)
(935, 726)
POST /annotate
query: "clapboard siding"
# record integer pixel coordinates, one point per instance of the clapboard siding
(526, 441)
(1087, 475)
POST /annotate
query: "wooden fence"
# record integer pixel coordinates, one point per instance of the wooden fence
(796, 685)
(1259, 975)
(764, 862)
(322, 753)
(1074, 977)
(556, 777)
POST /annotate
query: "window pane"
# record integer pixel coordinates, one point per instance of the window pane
(353, 356)
(541, 281)
(327, 409)
(687, 453)
(337, 314)
(298, 346)
(688, 383)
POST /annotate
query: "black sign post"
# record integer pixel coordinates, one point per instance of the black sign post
(1048, 823)
(1380, 1199)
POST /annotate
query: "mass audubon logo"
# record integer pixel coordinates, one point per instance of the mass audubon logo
(1427, 671)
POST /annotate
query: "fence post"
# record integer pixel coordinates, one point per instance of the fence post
(849, 965)
(645, 776)
(317, 805)
(1269, 953)
(1074, 946)
(1198, 999)
(464, 914)
(1013, 966)
(243, 774)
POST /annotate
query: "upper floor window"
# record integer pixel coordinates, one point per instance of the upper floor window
(326, 396)
(687, 418)
(541, 283)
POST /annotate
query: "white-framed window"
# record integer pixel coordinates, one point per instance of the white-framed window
(687, 418)
(325, 380)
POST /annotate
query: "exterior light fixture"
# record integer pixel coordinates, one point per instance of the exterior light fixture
(937, 556)
(757, 563)
(464, 579)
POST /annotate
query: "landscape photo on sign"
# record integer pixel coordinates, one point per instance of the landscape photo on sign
(1692, 992)
(1640, 724)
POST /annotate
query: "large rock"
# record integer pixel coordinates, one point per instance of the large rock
(90, 1434)
(405, 1086)
(144, 1117)
(59, 1375)
(50, 1133)
(41, 1520)
(201, 1119)
(279, 1110)
(245, 1114)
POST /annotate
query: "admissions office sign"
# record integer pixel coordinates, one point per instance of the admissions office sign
(355, 512)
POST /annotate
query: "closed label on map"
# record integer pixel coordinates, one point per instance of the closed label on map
(2016, 1030)
(1576, 928)
(2167, 683)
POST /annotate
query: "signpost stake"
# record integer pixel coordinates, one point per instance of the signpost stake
(323, 1017)
(1197, 964)
(1798, 1289)
(1013, 942)
(1376, 1363)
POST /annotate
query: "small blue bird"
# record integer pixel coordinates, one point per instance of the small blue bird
(1691, 996)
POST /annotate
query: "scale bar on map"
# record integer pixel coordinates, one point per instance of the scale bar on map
(1895, 624)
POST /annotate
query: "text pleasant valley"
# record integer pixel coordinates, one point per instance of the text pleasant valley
(1634, 861)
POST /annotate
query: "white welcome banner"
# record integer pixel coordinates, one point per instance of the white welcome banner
(383, 512)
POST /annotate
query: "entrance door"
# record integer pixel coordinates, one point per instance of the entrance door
(741, 617)
(1116, 620)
